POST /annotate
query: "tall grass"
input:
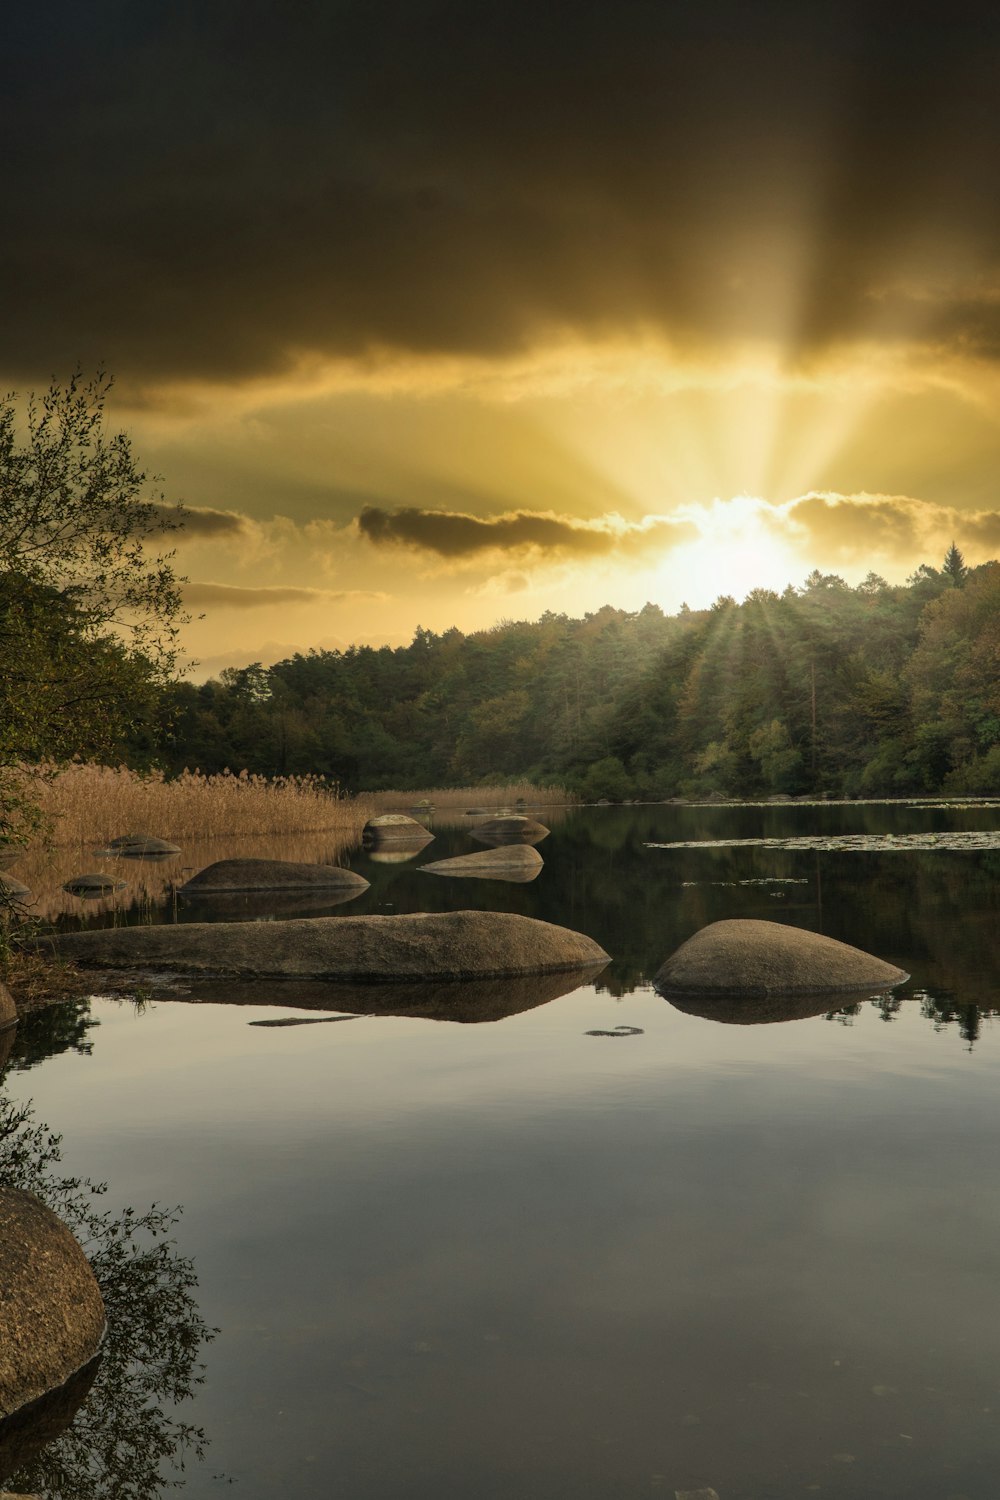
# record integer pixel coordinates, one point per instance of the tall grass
(88, 805)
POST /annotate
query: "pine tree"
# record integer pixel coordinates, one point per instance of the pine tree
(954, 567)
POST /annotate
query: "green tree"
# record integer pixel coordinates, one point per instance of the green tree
(954, 567)
(90, 609)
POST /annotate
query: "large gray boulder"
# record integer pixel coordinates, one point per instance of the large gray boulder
(511, 829)
(438, 945)
(507, 862)
(51, 1311)
(745, 957)
(229, 875)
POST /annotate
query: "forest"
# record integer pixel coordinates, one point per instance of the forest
(826, 689)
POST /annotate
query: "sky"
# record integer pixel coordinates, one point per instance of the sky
(446, 313)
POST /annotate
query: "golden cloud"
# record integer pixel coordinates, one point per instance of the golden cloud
(899, 527)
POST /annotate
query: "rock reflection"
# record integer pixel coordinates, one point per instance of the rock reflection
(753, 1010)
(112, 1433)
(257, 906)
(465, 1001)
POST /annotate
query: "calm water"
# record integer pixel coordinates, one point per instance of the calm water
(517, 1261)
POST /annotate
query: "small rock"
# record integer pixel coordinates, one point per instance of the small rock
(93, 883)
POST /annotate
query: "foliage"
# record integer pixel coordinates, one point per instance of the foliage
(821, 690)
(89, 610)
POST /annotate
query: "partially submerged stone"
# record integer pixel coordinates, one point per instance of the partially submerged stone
(511, 829)
(435, 945)
(93, 883)
(389, 828)
(142, 846)
(518, 862)
(746, 957)
(230, 875)
(13, 890)
(51, 1311)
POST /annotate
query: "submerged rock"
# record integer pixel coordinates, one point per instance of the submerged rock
(51, 1311)
(513, 829)
(13, 890)
(745, 957)
(445, 945)
(229, 875)
(142, 846)
(507, 862)
(93, 883)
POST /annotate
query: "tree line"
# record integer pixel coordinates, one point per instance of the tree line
(826, 689)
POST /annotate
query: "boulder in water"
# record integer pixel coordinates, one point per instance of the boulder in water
(511, 829)
(230, 875)
(92, 884)
(518, 862)
(51, 1311)
(746, 957)
(142, 846)
(390, 828)
(433, 945)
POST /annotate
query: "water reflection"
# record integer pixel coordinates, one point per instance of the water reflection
(114, 1432)
(465, 1001)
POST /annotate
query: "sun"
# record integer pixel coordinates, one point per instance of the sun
(740, 547)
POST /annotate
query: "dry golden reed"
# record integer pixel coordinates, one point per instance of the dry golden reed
(86, 805)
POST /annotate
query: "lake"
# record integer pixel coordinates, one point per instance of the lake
(599, 1247)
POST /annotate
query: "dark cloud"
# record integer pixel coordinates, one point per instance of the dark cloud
(200, 523)
(897, 526)
(455, 536)
(230, 596)
(212, 190)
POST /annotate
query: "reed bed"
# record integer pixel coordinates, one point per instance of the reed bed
(88, 805)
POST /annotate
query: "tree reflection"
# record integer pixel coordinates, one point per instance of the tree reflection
(128, 1441)
(45, 1033)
